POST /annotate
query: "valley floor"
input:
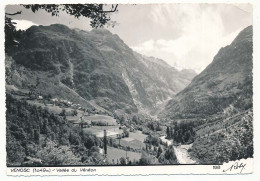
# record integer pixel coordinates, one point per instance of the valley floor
(218, 139)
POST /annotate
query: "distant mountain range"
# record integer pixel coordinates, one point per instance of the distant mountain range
(225, 86)
(93, 68)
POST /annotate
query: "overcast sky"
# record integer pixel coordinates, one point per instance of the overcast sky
(184, 35)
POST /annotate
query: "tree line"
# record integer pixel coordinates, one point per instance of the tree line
(182, 132)
(34, 132)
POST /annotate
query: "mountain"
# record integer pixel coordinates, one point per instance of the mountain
(93, 68)
(225, 86)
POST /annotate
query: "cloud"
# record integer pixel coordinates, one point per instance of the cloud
(186, 34)
(202, 35)
(23, 24)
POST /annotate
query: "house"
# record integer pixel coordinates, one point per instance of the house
(54, 100)
(122, 127)
(132, 129)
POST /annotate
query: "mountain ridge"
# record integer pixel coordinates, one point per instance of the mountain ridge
(226, 81)
(98, 66)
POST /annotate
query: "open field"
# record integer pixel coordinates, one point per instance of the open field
(116, 154)
(103, 118)
(138, 135)
(132, 144)
(73, 118)
(135, 139)
(99, 130)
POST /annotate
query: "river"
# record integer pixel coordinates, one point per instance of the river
(181, 152)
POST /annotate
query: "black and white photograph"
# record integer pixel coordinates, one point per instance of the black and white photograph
(128, 84)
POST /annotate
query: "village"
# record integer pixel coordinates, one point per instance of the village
(125, 137)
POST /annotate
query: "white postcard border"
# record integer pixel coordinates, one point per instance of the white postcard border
(141, 170)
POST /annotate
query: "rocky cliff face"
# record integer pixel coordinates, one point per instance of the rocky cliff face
(94, 66)
(224, 86)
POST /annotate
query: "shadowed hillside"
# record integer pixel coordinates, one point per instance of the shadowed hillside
(225, 86)
(94, 66)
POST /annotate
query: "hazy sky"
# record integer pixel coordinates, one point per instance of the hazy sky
(185, 35)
